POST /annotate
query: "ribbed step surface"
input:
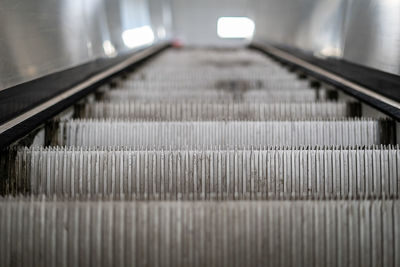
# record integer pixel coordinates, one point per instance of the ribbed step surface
(200, 83)
(212, 74)
(224, 133)
(197, 110)
(272, 173)
(349, 233)
(304, 95)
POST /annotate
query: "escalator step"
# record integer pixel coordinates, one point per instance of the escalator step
(111, 132)
(281, 233)
(199, 110)
(270, 173)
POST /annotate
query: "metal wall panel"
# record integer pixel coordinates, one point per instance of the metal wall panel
(365, 32)
(161, 18)
(314, 26)
(373, 34)
(41, 37)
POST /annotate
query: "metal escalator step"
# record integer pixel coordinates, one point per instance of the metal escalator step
(199, 110)
(203, 83)
(110, 132)
(300, 233)
(301, 95)
(266, 73)
(269, 173)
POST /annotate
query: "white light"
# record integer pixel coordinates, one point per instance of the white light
(138, 37)
(109, 49)
(235, 27)
(330, 51)
(161, 32)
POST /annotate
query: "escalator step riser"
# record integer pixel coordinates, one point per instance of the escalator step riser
(201, 83)
(187, 111)
(200, 234)
(274, 173)
(212, 73)
(301, 95)
(223, 133)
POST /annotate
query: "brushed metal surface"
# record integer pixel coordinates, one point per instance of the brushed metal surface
(358, 31)
(223, 134)
(260, 233)
(250, 174)
(373, 34)
(42, 37)
(224, 110)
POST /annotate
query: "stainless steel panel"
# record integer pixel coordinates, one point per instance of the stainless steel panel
(161, 18)
(42, 37)
(359, 31)
(373, 34)
(39, 37)
(314, 26)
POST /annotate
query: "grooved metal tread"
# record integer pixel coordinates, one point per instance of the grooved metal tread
(288, 233)
(201, 110)
(305, 95)
(109, 132)
(259, 174)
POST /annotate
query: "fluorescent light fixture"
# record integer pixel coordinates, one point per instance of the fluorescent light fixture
(330, 51)
(138, 37)
(161, 33)
(109, 49)
(235, 27)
